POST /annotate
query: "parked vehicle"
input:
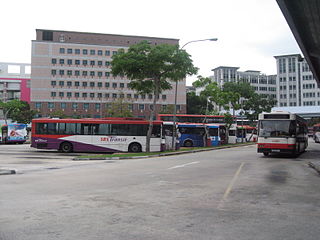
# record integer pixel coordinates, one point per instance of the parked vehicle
(95, 135)
(13, 133)
(193, 134)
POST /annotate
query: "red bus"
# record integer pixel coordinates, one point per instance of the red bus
(191, 118)
(94, 135)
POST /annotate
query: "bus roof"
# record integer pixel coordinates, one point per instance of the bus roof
(94, 120)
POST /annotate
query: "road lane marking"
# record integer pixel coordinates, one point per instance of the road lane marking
(183, 165)
(230, 186)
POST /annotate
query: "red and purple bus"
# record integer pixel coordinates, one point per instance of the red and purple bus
(191, 118)
(282, 132)
(95, 135)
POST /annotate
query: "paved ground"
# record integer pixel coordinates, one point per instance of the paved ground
(224, 194)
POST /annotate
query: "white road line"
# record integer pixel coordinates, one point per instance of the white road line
(229, 188)
(183, 165)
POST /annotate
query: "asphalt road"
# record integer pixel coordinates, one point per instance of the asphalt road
(223, 194)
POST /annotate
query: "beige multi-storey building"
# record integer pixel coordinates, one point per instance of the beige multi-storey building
(263, 84)
(295, 82)
(71, 72)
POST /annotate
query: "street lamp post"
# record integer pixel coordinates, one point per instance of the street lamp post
(174, 130)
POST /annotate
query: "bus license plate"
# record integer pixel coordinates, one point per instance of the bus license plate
(275, 150)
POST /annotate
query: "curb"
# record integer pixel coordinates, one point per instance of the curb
(161, 154)
(315, 167)
(7, 172)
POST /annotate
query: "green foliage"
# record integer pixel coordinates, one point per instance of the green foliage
(119, 108)
(18, 111)
(197, 104)
(228, 119)
(169, 109)
(257, 104)
(58, 114)
(150, 69)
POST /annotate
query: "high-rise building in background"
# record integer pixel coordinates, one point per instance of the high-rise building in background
(14, 81)
(263, 84)
(71, 72)
(295, 82)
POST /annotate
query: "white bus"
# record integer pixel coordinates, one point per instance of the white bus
(282, 132)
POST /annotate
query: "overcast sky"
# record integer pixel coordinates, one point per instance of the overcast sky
(249, 32)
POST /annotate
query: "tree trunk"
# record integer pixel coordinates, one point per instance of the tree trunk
(155, 98)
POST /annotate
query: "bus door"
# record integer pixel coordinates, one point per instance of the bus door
(222, 134)
(214, 135)
(232, 135)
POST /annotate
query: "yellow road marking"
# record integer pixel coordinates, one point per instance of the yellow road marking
(230, 186)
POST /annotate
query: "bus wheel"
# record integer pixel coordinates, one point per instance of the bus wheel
(188, 143)
(135, 147)
(266, 154)
(66, 147)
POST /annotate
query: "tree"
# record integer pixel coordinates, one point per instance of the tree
(196, 104)
(257, 104)
(211, 92)
(19, 111)
(58, 114)
(119, 108)
(150, 68)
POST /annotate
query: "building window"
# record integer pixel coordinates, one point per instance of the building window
(84, 84)
(92, 63)
(97, 106)
(84, 51)
(76, 95)
(61, 50)
(178, 108)
(63, 105)
(69, 83)
(69, 94)
(107, 53)
(121, 95)
(99, 84)
(69, 72)
(38, 105)
(100, 52)
(106, 95)
(84, 73)
(114, 95)
(164, 97)
(107, 84)
(107, 74)
(69, 61)
(114, 85)
(69, 50)
(92, 52)
(74, 105)
(61, 94)
(53, 83)
(84, 95)
(84, 62)
(107, 63)
(61, 72)
(136, 96)
(86, 106)
(53, 94)
(99, 63)
(92, 73)
(77, 84)
(61, 61)
(150, 96)
(99, 95)
(50, 105)
(61, 83)
(128, 95)
(99, 74)
(141, 106)
(76, 72)
(77, 51)
(114, 52)
(121, 85)
(54, 61)
(92, 84)
(143, 96)
(53, 72)
(92, 95)
(77, 62)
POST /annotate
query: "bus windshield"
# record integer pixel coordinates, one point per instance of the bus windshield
(276, 128)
